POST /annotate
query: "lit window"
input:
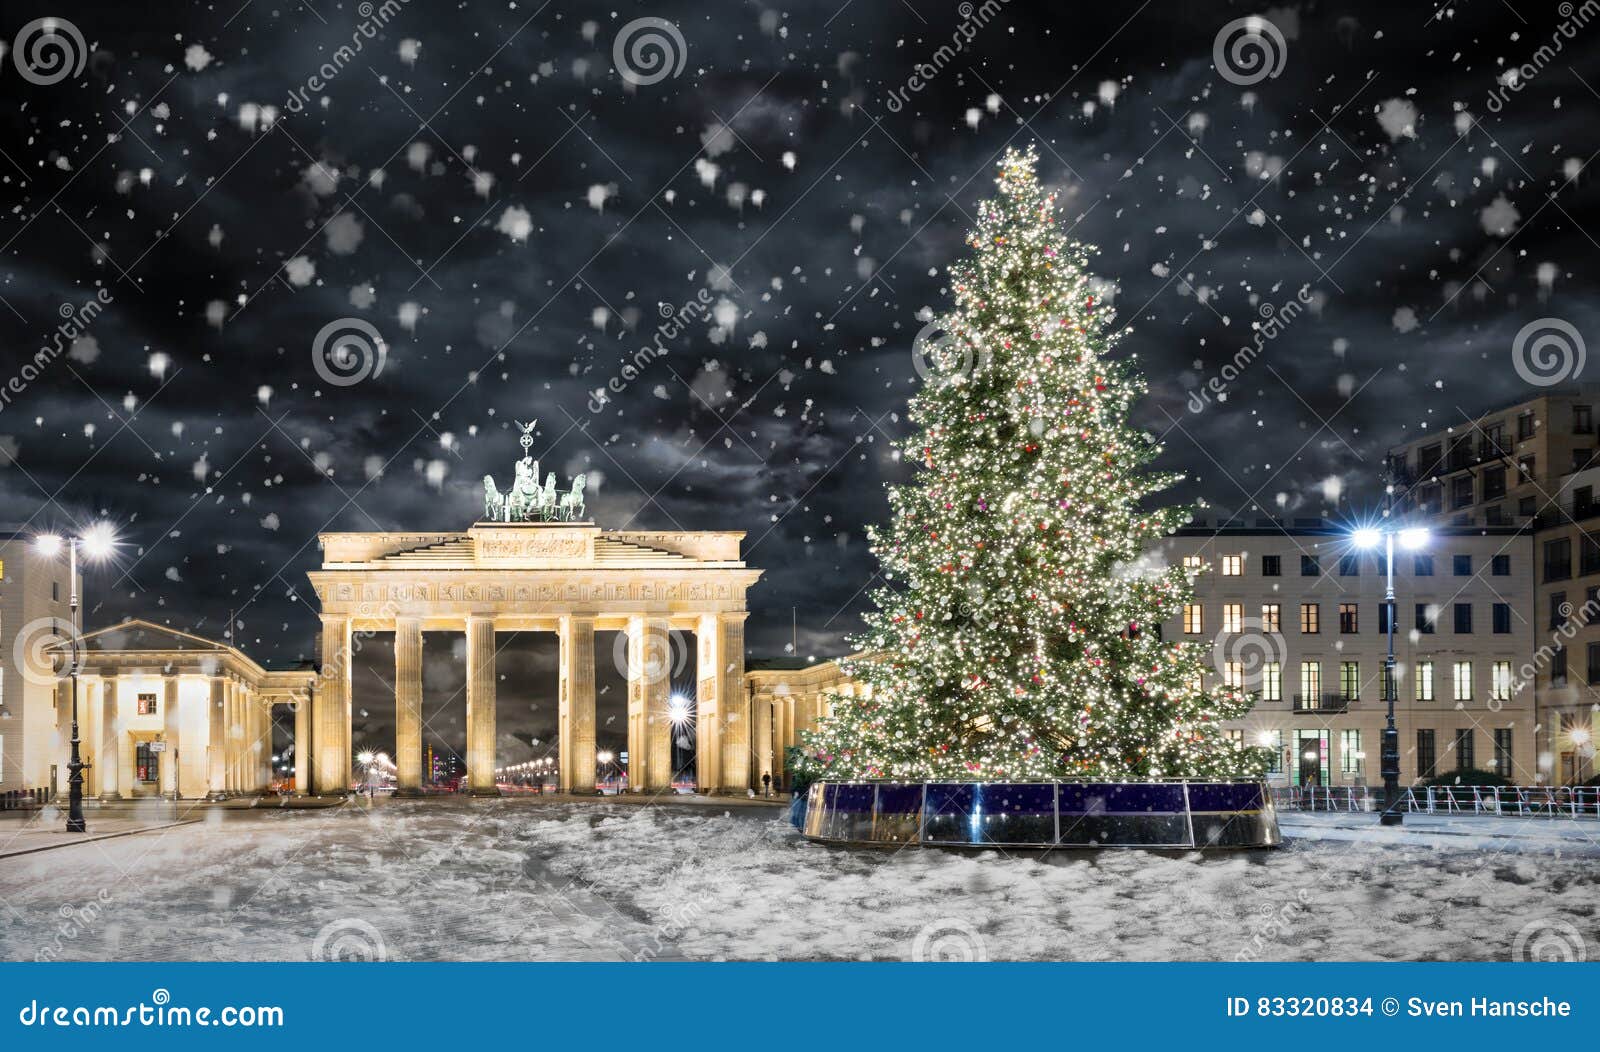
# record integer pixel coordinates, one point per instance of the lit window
(1232, 565)
(1272, 681)
(1309, 618)
(1424, 681)
(1233, 617)
(1463, 681)
(1500, 681)
(1311, 683)
(1193, 619)
(1233, 675)
(1271, 618)
(1350, 756)
(1193, 562)
(1349, 680)
(1347, 618)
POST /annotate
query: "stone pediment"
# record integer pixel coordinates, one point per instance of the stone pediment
(531, 546)
(145, 636)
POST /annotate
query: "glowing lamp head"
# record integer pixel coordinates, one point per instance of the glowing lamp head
(99, 540)
(1366, 537)
(1580, 736)
(48, 544)
(364, 758)
(1413, 538)
(678, 709)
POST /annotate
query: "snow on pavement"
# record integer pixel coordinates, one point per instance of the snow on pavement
(537, 881)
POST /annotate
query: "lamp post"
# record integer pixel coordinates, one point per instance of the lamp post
(98, 542)
(1389, 754)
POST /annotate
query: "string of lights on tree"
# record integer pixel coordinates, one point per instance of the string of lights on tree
(1017, 635)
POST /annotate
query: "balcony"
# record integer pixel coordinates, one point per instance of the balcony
(1328, 703)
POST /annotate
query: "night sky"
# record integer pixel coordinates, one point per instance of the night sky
(513, 214)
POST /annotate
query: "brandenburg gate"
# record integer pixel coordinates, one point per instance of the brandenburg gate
(535, 564)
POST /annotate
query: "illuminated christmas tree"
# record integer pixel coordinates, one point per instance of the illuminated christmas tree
(1018, 637)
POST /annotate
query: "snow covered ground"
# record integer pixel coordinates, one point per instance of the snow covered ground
(594, 881)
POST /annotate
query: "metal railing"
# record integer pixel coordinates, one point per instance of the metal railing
(1512, 801)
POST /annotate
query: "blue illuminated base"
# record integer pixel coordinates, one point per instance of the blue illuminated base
(1204, 814)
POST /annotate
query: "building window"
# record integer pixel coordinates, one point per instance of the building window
(1272, 681)
(1500, 566)
(1347, 618)
(1500, 681)
(1383, 618)
(1350, 680)
(1461, 491)
(1311, 684)
(1234, 736)
(1588, 555)
(1422, 566)
(146, 764)
(1502, 751)
(1558, 667)
(1309, 566)
(1271, 618)
(1558, 609)
(1233, 617)
(1558, 559)
(1502, 618)
(1194, 563)
(1582, 420)
(1466, 754)
(1581, 458)
(1526, 467)
(1232, 565)
(1428, 459)
(1461, 565)
(1350, 755)
(145, 705)
(1424, 681)
(1463, 618)
(1233, 675)
(1427, 755)
(1272, 566)
(1426, 615)
(1273, 742)
(1463, 681)
(1194, 621)
(1349, 566)
(1494, 483)
(1310, 616)
(1524, 425)
(1594, 665)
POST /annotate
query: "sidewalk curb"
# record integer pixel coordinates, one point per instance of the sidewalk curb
(92, 839)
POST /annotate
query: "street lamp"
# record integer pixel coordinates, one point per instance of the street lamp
(97, 542)
(1411, 539)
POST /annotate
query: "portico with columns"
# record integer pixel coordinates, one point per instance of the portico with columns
(569, 578)
(164, 712)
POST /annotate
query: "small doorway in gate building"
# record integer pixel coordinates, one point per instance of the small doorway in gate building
(146, 768)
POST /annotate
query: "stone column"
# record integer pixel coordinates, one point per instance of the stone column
(230, 732)
(302, 746)
(108, 755)
(649, 683)
(480, 705)
(408, 705)
(575, 726)
(725, 723)
(216, 739)
(170, 782)
(761, 727)
(331, 712)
